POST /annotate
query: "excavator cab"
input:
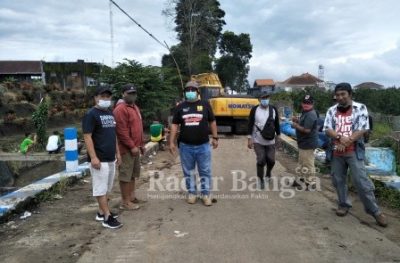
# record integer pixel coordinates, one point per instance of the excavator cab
(231, 111)
(207, 93)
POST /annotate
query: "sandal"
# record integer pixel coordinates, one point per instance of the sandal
(129, 206)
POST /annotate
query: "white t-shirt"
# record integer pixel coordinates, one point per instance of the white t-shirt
(52, 143)
(260, 118)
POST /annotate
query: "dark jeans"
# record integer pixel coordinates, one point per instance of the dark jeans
(265, 156)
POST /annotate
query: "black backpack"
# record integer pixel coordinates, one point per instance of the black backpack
(268, 132)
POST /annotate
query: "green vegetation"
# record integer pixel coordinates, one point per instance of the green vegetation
(39, 118)
(157, 90)
(232, 67)
(59, 188)
(380, 130)
(198, 26)
(390, 197)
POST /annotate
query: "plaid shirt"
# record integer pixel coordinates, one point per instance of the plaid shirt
(359, 115)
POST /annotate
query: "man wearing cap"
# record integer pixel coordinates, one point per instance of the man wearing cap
(130, 139)
(194, 118)
(98, 126)
(346, 123)
(307, 140)
(263, 117)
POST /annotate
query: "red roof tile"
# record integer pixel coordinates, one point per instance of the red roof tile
(264, 82)
(303, 79)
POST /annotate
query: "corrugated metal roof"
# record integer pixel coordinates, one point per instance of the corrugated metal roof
(20, 67)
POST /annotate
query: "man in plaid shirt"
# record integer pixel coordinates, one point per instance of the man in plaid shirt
(346, 123)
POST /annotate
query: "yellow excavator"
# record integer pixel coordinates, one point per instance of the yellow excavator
(231, 111)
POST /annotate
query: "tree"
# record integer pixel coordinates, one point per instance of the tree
(156, 89)
(232, 67)
(39, 118)
(199, 25)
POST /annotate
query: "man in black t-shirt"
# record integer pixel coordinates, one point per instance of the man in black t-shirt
(98, 127)
(194, 118)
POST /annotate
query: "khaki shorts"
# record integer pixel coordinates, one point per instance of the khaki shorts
(306, 162)
(130, 168)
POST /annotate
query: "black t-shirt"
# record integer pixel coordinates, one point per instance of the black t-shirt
(306, 141)
(101, 124)
(194, 118)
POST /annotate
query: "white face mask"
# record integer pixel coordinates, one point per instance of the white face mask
(104, 104)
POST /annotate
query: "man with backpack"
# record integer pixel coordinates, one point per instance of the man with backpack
(263, 132)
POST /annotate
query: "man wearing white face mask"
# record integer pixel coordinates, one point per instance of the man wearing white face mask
(194, 118)
(98, 127)
(263, 126)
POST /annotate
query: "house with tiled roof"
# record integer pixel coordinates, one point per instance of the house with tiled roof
(369, 85)
(262, 86)
(300, 82)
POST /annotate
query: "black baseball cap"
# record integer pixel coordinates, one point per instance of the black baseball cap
(264, 95)
(103, 89)
(308, 99)
(129, 88)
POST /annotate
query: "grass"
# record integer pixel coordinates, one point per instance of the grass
(59, 188)
(388, 196)
(380, 130)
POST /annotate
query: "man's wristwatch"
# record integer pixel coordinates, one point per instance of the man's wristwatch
(338, 136)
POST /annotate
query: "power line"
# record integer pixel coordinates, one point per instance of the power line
(147, 32)
(139, 25)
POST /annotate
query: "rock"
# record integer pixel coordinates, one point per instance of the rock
(10, 223)
(57, 196)
(26, 215)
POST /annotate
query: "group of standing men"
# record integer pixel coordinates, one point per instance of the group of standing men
(346, 123)
(117, 138)
(114, 141)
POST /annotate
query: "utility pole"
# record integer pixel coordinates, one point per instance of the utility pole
(111, 34)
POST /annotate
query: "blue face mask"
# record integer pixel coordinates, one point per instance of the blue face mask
(191, 95)
(264, 102)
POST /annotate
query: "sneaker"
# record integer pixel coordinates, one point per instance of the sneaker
(342, 211)
(381, 220)
(191, 199)
(206, 200)
(112, 223)
(100, 217)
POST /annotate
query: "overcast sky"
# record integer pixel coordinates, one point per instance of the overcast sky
(355, 40)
